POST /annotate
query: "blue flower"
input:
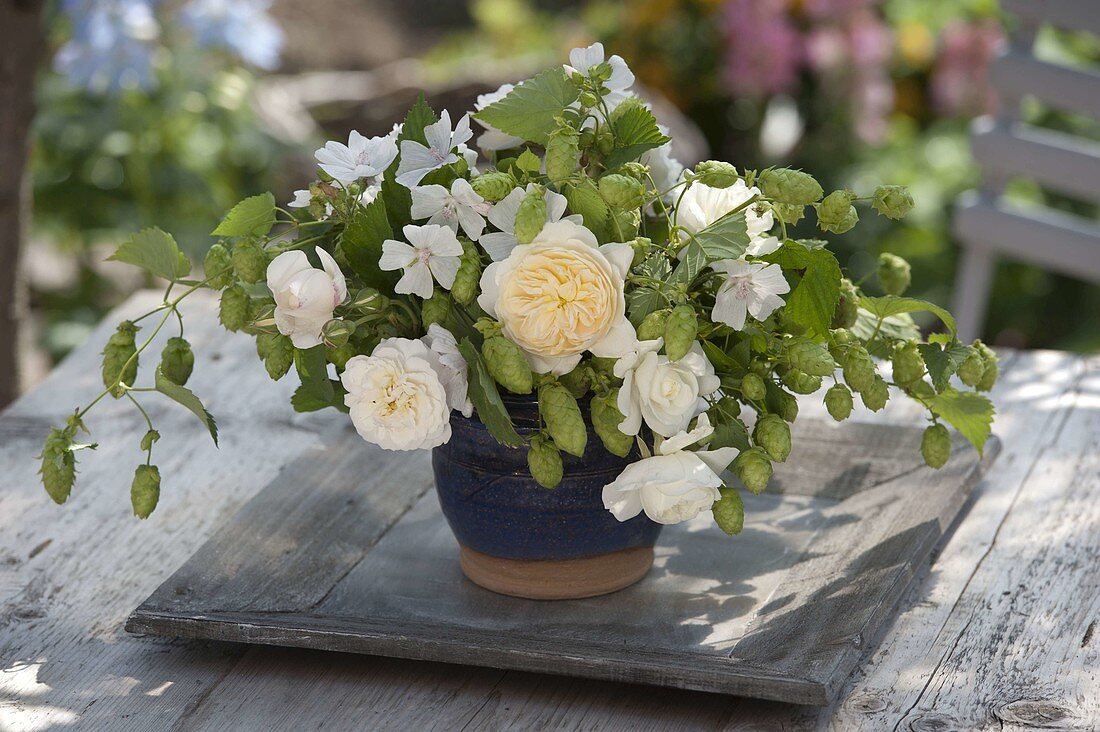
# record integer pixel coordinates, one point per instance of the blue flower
(242, 27)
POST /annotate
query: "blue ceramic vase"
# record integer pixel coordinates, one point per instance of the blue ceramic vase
(519, 538)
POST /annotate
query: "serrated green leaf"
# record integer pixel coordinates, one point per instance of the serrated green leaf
(726, 238)
(361, 242)
(693, 260)
(156, 252)
(308, 398)
(254, 216)
(812, 301)
(419, 116)
(942, 363)
(183, 395)
(888, 305)
(896, 327)
(486, 399)
(635, 130)
(971, 414)
(530, 109)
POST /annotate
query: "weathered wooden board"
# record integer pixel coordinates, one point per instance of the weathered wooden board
(347, 550)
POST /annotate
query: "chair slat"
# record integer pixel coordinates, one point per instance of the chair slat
(1016, 74)
(1054, 160)
(1052, 240)
(1067, 14)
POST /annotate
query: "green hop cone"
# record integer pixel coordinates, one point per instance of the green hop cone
(859, 369)
(754, 469)
(935, 446)
(249, 261)
(177, 360)
(148, 439)
(790, 186)
(235, 309)
(774, 435)
(838, 400)
(752, 387)
(847, 306)
(621, 192)
(875, 396)
(836, 213)
(218, 266)
(606, 419)
(990, 370)
(576, 381)
(605, 141)
(729, 511)
(642, 246)
(58, 469)
(436, 309)
(908, 363)
(716, 174)
(277, 353)
(120, 361)
(971, 369)
(784, 404)
(893, 273)
(893, 202)
(544, 461)
(809, 357)
(563, 153)
(624, 224)
(145, 490)
(635, 170)
(800, 382)
(681, 328)
(531, 216)
(494, 186)
(507, 365)
(562, 414)
(652, 326)
(464, 288)
(789, 213)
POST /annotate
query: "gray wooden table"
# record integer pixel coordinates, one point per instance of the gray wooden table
(1001, 632)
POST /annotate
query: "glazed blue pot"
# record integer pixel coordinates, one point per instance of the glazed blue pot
(497, 509)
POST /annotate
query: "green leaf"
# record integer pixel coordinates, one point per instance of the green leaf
(812, 301)
(726, 238)
(693, 260)
(721, 360)
(419, 116)
(529, 110)
(183, 395)
(635, 131)
(317, 388)
(971, 414)
(942, 363)
(585, 199)
(887, 305)
(486, 398)
(156, 252)
(307, 398)
(896, 327)
(361, 242)
(252, 216)
(729, 511)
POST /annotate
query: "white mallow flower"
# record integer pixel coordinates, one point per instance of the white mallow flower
(396, 396)
(460, 206)
(304, 197)
(452, 371)
(622, 78)
(665, 394)
(561, 295)
(362, 157)
(750, 288)
(418, 160)
(702, 205)
(304, 295)
(673, 485)
(499, 244)
(493, 139)
(432, 252)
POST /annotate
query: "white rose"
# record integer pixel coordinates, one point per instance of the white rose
(702, 205)
(674, 485)
(561, 295)
(666, 394)
(304, 295)
(397, 397)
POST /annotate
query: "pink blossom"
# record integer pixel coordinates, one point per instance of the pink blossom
(960, 78)
(764, 49)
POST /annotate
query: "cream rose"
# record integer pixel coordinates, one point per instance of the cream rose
(304, 295)
(397, 396)
(702, 205)
(666, 394)
(561, 295)
(674, 485)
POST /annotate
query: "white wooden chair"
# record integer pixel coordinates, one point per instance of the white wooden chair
(989, 227)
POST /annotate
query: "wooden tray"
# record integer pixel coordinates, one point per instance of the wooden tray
(347, 550)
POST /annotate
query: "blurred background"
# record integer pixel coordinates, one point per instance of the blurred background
(122, 114)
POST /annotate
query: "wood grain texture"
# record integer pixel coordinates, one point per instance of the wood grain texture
(70, 575)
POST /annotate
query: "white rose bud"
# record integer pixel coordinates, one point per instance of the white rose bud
(304, 295)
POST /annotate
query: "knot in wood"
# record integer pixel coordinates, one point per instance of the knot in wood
(1032, 712)
(930, 722)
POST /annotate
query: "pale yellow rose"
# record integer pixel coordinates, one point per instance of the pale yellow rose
(561, 295)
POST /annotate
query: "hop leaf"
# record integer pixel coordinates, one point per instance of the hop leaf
(562, 414)
(838, 400)
(875, 396)
(908, 363)
(729, 511)
(752, 387)
(774, 435)
(464, 289)
(563, 153)
(893, 273)
(893, 202)
(494, 186)
(544, 461)
(836, 213)
(681, 328)
(177, 361)
(249, 261)
(935, 446)
(507, 365)
(606, 419)
(531, 216)
(277, 353)
(652, 326)
(218, 266)
(789, 186)
(145, 490)
(621, 192)
(235, 309)
(120, 361)
(716, 174)
(809, 357)
(754, 469)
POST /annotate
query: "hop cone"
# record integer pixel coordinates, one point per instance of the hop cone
(836, 213)
(544, 461)
(774, 435)
(277, 353)
(838, 400)
(177, 361)
(893, 273)
(507, 365)
(606, 419)
(218, 266)
(935, 445)
(58, 469)
(893, 202)
(145, 490)
(562, 414)
(531, 216)
(466, 281)
(908, 363)
(752, 387)
(235, 309)
(680, 331)
(494, 186)
(790, 186)
(562, 154)
(250, 261)
(716, 174)
(120, 363)
(754, 469)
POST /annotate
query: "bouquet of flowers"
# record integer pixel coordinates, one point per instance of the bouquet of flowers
(582, 266)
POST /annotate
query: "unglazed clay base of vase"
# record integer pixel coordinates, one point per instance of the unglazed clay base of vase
(557, 579)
